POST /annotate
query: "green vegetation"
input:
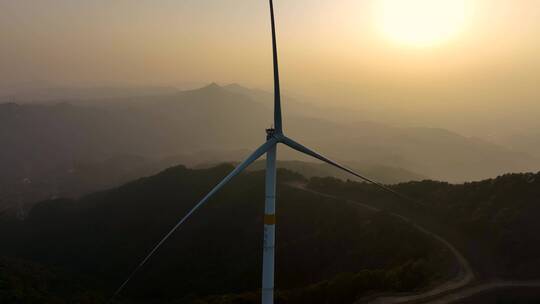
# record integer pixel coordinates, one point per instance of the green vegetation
(330, 251)
(29, 282)
(494, 222)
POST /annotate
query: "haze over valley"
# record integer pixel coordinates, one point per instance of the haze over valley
(56, 133)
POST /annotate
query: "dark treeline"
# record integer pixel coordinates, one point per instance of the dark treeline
(330, 251)
(494, 222)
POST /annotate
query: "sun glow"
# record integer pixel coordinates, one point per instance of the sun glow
(421, 23)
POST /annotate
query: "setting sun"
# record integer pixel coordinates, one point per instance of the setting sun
(421, 23)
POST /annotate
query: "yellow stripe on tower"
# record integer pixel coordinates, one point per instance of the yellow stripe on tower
(269, 219)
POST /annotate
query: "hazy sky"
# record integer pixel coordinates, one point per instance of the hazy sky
(348, 52)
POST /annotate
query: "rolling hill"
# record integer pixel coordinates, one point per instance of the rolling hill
(80, 250)
(42, 143)
(220, 118)
(494, 221)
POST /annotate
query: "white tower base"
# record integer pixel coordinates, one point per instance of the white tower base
(269, 228)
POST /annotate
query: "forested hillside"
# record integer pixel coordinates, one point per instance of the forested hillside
(495, 221)
(330, 251)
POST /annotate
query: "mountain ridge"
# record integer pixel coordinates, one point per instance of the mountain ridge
(214, 118)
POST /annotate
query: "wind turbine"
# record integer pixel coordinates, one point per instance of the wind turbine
(274, 136)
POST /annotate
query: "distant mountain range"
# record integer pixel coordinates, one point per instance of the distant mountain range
(230, 118)
(523, 141)
(41, 93)
(45, 142)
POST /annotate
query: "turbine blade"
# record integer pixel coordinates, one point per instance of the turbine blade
(277, 91)
(243, 165)
(300, 148)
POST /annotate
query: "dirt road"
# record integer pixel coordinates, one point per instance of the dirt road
(464, 276)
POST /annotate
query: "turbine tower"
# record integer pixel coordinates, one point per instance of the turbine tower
(274, 136)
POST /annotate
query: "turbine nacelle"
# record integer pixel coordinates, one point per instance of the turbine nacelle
(270, 132)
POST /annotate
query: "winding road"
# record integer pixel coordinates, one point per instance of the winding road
(481, 288)
(457, 288)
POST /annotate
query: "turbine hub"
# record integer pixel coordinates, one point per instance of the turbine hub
(270, 133)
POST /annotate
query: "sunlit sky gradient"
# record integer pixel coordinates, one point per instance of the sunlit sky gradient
(332, 50)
